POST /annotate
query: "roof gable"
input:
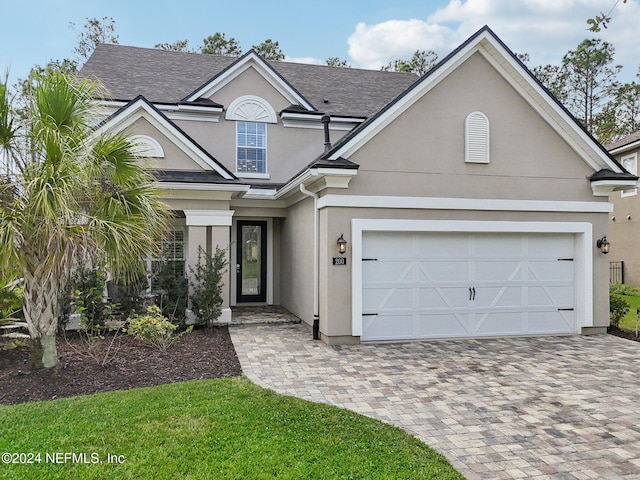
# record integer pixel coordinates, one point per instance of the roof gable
(487, 44)
(142, 108)
(250, 60)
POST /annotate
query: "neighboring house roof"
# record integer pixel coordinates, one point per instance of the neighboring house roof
(170, 77)
(628, 142)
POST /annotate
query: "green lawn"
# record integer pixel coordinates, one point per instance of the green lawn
(225, 428)
(628, 322)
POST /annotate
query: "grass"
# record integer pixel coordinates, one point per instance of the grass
(224, 428)
(628, 322)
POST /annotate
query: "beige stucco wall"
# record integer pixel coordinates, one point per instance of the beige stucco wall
(335, 285)
(422, 152)
(296, 260)
(174, 158)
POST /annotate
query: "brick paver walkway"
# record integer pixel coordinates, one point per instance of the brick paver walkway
(544, 407)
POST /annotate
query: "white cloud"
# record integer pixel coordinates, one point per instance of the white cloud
(308, 60)
(545, 29)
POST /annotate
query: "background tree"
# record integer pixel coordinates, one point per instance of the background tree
(218, 44)
(95, 32)
(421, 62)
(269, 50)
(76, 194)
(554, 77)
(591, 79)
(336, 62)
(177, 46)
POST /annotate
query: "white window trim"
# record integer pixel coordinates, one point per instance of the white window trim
(583, 254)
(471, 138)
(630, 191)
(263, 175)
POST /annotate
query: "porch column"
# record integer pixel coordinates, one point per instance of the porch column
(208, 229)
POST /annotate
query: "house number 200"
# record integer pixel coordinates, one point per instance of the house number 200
(339, 261)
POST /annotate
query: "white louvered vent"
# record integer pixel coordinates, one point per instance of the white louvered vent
(477, 138)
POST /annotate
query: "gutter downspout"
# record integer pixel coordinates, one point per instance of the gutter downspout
(316, 263)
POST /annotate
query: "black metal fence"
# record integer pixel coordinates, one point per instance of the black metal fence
(616, 272)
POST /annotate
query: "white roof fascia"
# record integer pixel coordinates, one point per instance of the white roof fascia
(140, 109)
(250, 61)
(625, 148)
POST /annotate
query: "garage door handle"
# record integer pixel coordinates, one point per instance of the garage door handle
(369, 259)
(368, 314)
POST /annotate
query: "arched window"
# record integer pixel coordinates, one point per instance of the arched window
(476, 138)
(146, 146)
(250, 108)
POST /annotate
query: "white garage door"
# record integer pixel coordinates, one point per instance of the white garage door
(442, 285)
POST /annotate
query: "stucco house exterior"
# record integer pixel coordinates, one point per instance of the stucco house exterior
(469, 199)
(624, 221)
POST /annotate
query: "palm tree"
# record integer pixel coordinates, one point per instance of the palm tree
(74, 195)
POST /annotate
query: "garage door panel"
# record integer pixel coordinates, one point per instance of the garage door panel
(443, 271)
(496, 270)
(498, 323)
(491, 296)
(385, 327)
(558, 296)
(375, 272)
(378, 245)
(441, 297)
(550, 270)
(441, 325)
(440, 245)
(550, 321)
(378, 299)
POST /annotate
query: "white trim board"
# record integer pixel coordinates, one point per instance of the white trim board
(583, 253)
(443, 203)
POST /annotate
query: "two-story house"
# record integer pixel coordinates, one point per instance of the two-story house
(375, 205)
(624, 221)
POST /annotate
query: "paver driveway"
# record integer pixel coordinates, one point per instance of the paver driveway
(545, 407)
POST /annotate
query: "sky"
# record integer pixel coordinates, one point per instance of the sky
(365, 33)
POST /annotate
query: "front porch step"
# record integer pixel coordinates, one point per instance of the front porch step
(262, 315)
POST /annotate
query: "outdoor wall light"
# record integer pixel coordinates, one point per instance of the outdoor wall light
(342, 244)
(603, 245)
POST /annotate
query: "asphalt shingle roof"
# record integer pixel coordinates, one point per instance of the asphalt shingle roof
(626, 140)
(168, 77)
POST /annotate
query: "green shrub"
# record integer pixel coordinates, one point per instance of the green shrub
(172, 289)
(624, 289)
(206, 297)
(618, 307)
(154, 329)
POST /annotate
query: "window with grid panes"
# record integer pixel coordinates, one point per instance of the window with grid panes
(172, 253)
(251, 142)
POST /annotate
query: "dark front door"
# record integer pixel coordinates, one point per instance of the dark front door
(251, 267)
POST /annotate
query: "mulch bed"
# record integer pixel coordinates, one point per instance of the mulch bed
(620, 332)
(203, 353)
